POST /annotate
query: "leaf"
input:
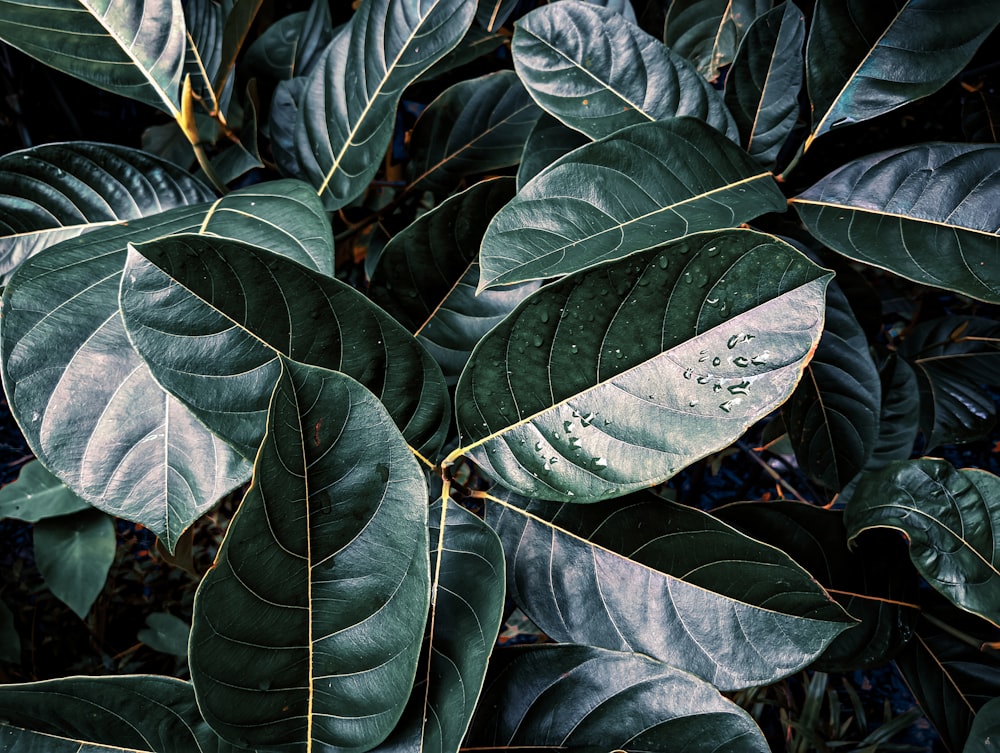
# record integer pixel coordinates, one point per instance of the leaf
(948, 517)
(832, 416)
(598, 73)
(346, 112)
(427, 275)
(475, 44)
(492, 14)
(953, 357)
(762, 86)
(239, 19)
(548, 141)
(166, 633)
(204, 21)
(238, 159)
(212, 317)
(307, 630)
(36, 495)
(10, 641)
(57, 191)
(158, 465)
(74, 553)
(137, 712)
(658, 182)
(475, 126)
(865, 59)
(925, 212)
(581, 697)
(614, 379)
(899, 415)
(985, 729)
(708, 32)
(715, 603)
(113, 44)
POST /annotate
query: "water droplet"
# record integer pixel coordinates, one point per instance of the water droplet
(702, 379)
(253, 203)
(544, 316)
(538, 446)
(607, 422)
(537, 341)
(716, 387)
(712, 251)
(760, 359)
(711, 301)
(702, 356)
(573, 348)
(588, 419)
(741, 361)
(575, 442)
(716, 361)
(601, 462)
(569, 493)
(663, 261)
(688, 278)
(618, 352)
(575, 414)
(733, 341)
(740, 388)
(568, 426)
(687, 373)
(727, 406)
(692, 403)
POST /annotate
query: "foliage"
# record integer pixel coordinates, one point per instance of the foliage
(466, 361)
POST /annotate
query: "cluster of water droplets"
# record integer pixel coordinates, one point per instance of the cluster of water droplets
(730, 389)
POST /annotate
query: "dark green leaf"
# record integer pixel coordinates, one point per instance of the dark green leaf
(948, 517)
(658, 182)
(240, 158)
(212, 316)
(899, 417)
(548, 141)
(36, 495)
(925, 212)
(74, 553)
(10, 641)
(239, 19)
(273, 52)
(57, 191)
(475, 44)
(598, 73)
(475, 126)
(282, 119)
(762, 86)
(492, 14)
(864, 59)
(166, 633)
(985, 729)
(307, 631)
(708, 32)
(204, 21)
(616, 378)
(346, 112)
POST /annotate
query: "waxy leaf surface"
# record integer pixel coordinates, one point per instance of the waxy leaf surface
(598, 73)
(708, 32)
(634, 190)
(548, 141)
(306, 633)
(37, 494)
(73, 554)
(927, 212)
(618, 377)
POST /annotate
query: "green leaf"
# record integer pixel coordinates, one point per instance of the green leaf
(239, 19)
(985, 729)
(927, 213)
(113, 44)
(346, 113)
(57, 191)
(475, 126)
(212, 316)
(492, 14)
(476, 43)
(864, 59)
(166, 633)
(832, 416)
(548, 141)
(134, 712)
(948, 516)
(204, 21)
(708, 32)
(899, 416)
(598, 73)
(308, 629)
(10, 641)
(37, 494)
(715, 603)
(762, 86)
(616, 378)
(659, 182)
(74, 553)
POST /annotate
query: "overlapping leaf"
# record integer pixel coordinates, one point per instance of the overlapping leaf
(204, 21)
(599, 73)
(57, 191)
(37, 494)
(307, 631)
(899, 416)
(616, 378)
(708, 32)
(548, 141)
(292, 44)
(345, 117)
(927, 212)
(74, 553)
(492, 14)
(864, 59)
(212, 317)
(239, 19)
(581, 697)
(634, 190)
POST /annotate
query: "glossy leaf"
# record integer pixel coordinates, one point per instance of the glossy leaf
(864, 59)
(213, 316)
(658, 182)
(598, 73)
(346, 112)
(948, 517)
(475, 126)
(37, 494)
(690, 344)
(985, 729)
(239, 19)
(548, 141)
(899, 416)
(833, 415)
(708, 32)
(925, 212)
(204, 21)
(581, 697)
(57, 191)
(74, 553)
(166, 633)
(492, 14)
(475, 44)
(307, 630)
(762, 86)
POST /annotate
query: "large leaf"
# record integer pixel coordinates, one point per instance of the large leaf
(832, 416)
(307, 631)
(985, 729)
(899, 415)
(949, 517)
(762, 86)
(475, 126)
(118, 45)
(239, 19)
(708, 32)
(74, 553)
(57, 191)
(36, 495)
(212, 316)
(120, 441)
(204, 20)
(346, 113)
(581, 697)
(658, 182)
(598, 73)
(616, 378)
(548, 141)
(667, 581)
(928, 213)
(864, 59)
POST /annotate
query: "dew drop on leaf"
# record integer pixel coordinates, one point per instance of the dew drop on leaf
(741, 361)
(537, 341)
(601, 462)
